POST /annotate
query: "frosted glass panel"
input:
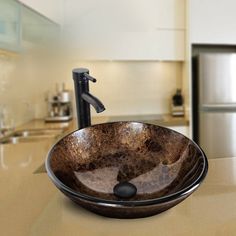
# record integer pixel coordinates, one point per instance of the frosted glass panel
(36, 28)
(9, 24)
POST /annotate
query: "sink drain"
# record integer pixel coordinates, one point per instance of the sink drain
(125, 190)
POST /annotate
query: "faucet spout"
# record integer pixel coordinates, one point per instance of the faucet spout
(83, 98)
(95, 102)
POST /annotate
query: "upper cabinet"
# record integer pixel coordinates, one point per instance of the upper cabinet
(212, 22)
(9, 25)
(36, 29)
(52, 9)
(21, 27)
(125, 30)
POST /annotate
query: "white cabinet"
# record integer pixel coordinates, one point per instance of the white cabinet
(159, 45)
(52, 9)
(181, 129)
(9, 25)
(37, 29)
(212, 22)
(126, 30)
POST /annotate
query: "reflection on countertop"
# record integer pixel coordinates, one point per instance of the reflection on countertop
(158, 119)
(34, 205)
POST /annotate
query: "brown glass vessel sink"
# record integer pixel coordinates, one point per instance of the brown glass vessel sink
(126, 169)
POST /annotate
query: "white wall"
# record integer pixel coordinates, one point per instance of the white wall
(187, 65)
(53, 9)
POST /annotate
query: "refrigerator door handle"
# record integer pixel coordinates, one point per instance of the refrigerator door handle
(217, 107)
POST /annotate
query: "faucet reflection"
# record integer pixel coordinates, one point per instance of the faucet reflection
(81, 79)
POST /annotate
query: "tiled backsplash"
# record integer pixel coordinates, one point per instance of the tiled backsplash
(133, 87)
(24, 81)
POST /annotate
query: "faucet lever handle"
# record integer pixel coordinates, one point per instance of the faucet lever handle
(87, 76)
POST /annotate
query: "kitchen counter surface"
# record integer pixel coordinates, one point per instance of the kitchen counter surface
(162, 119)
(32, 205)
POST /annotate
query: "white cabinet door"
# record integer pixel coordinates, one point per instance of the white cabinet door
(123, 15)
(126, 30)
(159, 45)
(212, 21)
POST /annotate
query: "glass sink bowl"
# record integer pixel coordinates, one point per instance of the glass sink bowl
(126, 169)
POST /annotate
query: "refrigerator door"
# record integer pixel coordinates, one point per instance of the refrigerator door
(217, 136)
(217, 78)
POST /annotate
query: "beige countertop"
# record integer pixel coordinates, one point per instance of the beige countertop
(32, 205)
(162, 119)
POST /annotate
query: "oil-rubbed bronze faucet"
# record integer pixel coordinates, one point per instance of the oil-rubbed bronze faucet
(83, 98)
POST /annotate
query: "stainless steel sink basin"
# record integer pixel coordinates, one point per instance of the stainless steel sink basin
(30, 135)
(15, 140)
(37, 132)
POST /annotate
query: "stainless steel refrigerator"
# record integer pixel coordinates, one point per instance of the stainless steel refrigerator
(214, 103)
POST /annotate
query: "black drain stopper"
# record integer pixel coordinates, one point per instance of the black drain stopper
(125, 190)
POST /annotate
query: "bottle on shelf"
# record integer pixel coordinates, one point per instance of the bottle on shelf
(177, 104)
